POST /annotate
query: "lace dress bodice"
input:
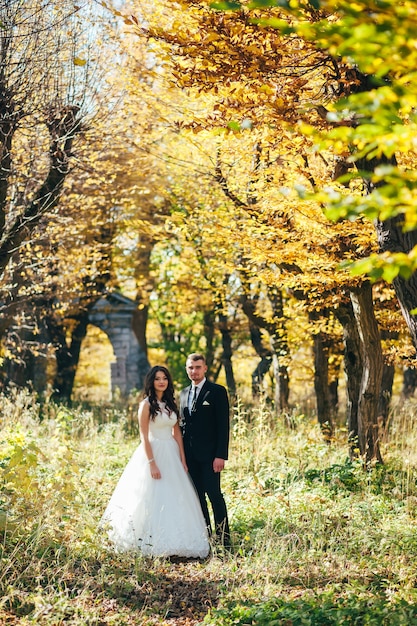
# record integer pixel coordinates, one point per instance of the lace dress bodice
(161, 427)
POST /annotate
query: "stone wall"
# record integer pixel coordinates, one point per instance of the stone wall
(113, 315)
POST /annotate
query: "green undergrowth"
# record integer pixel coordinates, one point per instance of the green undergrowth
(317, 540)
(326, 609)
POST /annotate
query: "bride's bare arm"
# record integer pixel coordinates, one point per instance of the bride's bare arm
(144, 417)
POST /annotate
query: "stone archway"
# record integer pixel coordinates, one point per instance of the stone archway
(113, 314)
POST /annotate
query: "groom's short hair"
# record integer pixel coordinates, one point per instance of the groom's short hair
(196, 356)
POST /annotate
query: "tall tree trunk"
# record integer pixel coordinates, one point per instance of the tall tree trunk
(409, 382)
(264, 364)
(16, 368)
(353, 364)
(209, 321)
(368, 435)
(321, 384)
(325, 376)
(280, 348)
(385, 396)
(139, 326)
(226, 357)
(334, 397)
(278, 339)
(281, 377)
(145, 283)
(387, 382)
(392, 238)
(67, 357)
(259, 373)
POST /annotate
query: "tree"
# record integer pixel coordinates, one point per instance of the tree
(374, 128)
(104, 192)
(41, 96)
(276, 69)
(43, 99)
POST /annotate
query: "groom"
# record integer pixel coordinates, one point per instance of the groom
(204, 409)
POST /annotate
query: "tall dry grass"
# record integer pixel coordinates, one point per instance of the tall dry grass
(315, 537)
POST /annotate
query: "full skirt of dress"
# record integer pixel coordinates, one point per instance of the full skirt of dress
(158, 517)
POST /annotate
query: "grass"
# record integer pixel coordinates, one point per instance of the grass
(317, 540)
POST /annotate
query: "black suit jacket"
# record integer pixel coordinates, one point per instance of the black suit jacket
(206, 429)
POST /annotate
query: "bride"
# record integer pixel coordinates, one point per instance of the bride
(154, 507)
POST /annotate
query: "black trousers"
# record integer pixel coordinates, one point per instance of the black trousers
(207, 482)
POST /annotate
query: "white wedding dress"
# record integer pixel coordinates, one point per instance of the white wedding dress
(158, 517)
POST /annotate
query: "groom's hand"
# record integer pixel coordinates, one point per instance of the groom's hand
(218, 465)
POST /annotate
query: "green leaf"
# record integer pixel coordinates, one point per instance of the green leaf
(269, 3)
(391, 271)
(274, 22)
(226, 5)
(234, 126)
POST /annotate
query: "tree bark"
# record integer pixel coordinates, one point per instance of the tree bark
(227, 354)
(385, 395)
(63, 125)
(371, 351)
(321, 384)
(334, 397)
(325, 377)
(67, 358)
(353, 364)
(139, 326)
(280, 349)
(391, 238)
(282, 381)
(409, 382)
(209, 321)
(264, 364)
(278, 340)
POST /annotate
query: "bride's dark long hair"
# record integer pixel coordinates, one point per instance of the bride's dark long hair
(168, 396)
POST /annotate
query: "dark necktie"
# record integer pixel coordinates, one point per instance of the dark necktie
(194, 400)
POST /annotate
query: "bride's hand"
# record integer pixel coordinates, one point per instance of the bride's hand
(155, 473)
(184, 464)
